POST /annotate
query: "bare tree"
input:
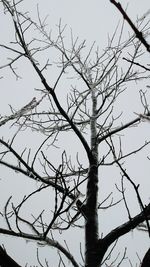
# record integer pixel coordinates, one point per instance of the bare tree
(84, 109)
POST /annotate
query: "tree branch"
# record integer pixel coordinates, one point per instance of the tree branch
(47, 241)
(119, 129)
(6, 260)
(138, 34)
(125, 228)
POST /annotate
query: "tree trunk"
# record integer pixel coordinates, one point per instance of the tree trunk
(91, 224)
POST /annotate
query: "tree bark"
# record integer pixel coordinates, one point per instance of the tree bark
(91, 224)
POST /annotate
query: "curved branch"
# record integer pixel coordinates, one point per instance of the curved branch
(32, 173)
(47, 241)
(35, 176)
(123, 229)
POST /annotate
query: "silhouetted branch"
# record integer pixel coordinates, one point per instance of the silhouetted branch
(126, 227)
(146, 259)
(6, 260)
(138, 34)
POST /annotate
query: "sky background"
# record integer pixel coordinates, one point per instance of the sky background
(93, 21)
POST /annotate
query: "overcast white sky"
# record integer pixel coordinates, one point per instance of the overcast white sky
(90, 20)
